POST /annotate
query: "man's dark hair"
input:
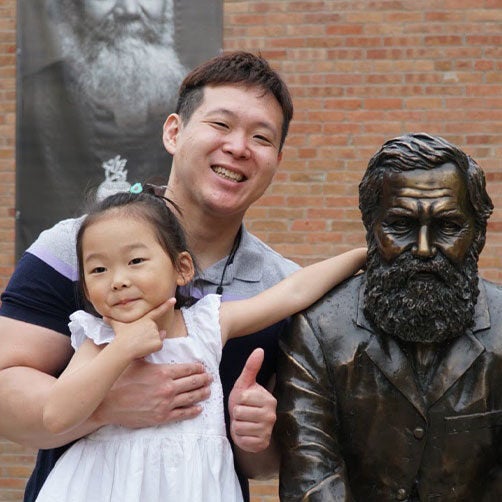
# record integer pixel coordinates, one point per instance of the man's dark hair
(423, 151)
(238, 67)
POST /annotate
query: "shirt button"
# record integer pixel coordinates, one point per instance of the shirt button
(401, 494)
(419, 432)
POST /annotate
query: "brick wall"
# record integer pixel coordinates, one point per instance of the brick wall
(361, 71)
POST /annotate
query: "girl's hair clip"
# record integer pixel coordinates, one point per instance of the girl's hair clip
(136, 188)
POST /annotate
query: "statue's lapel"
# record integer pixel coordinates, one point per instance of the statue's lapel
(462, 353)
(459, 358)
(390, 359)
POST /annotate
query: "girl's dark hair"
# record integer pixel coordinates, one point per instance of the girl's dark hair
(151, 207)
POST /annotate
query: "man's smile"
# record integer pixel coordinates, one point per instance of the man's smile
(228, 174)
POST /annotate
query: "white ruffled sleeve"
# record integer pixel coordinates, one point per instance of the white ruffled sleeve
(203, 321)
(84, 325)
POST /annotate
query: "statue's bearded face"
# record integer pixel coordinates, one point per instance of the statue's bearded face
(422, 270)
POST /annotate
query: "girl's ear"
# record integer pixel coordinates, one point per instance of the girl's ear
(185, 267)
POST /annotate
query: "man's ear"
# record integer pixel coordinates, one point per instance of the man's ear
(172, 127)
(185, 268)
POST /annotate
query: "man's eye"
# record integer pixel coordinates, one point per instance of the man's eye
(263, 139)
(222, 125)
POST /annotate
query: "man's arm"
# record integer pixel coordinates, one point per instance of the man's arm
(29, 357)
(145, 394)
(312, 468)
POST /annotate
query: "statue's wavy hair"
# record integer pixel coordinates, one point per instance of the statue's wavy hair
(423, 151)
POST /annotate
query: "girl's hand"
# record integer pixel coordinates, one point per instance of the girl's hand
(141, 337)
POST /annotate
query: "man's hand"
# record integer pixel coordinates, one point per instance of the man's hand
(252, 408)
(147, 394)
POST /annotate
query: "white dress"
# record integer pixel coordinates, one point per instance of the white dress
(185, 461)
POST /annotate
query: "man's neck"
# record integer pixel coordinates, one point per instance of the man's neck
(210, 235)
(211, 243)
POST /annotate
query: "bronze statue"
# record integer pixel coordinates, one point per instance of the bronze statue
(390, 387)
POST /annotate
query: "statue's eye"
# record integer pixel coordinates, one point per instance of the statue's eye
(399, 225)
(449, 226)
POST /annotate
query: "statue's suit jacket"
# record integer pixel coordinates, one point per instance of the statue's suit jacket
(354, 424)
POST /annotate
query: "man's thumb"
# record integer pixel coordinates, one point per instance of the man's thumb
(248, 376)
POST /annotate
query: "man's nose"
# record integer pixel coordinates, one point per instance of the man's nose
(127, 8)
(424, 247)
(236, 143)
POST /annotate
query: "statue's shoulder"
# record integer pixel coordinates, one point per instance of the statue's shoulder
(340, 302)
(493, 289)
(334, 321)
(489, 328)
(493, 295)
(345, 292)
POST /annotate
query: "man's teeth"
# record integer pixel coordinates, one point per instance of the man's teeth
(229, 175)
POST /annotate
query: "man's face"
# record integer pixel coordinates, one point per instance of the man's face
(422, 272)
(97, 10)
(425, 211)
(227, 153)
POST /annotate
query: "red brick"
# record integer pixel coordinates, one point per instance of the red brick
(360, 72)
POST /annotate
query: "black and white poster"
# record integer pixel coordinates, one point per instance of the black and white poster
(96, 81)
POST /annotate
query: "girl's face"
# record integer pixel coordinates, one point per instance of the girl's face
(127, 272)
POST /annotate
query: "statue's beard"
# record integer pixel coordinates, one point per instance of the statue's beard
(416, 300)
(129, 67)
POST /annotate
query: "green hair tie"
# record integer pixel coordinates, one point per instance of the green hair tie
(136, 188)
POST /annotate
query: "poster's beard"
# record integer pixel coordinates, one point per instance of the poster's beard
(416, 300)
(129, 67)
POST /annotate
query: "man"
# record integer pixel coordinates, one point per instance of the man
(226, 140)
(389, 387)
(107, 97)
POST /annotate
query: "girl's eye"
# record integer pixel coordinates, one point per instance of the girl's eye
(98, 270)
(136, 261)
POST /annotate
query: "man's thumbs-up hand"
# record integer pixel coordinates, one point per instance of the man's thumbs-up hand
(252, 408)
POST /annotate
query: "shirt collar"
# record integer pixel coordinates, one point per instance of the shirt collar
(247, 264)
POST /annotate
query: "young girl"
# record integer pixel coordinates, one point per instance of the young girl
(132, 257)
